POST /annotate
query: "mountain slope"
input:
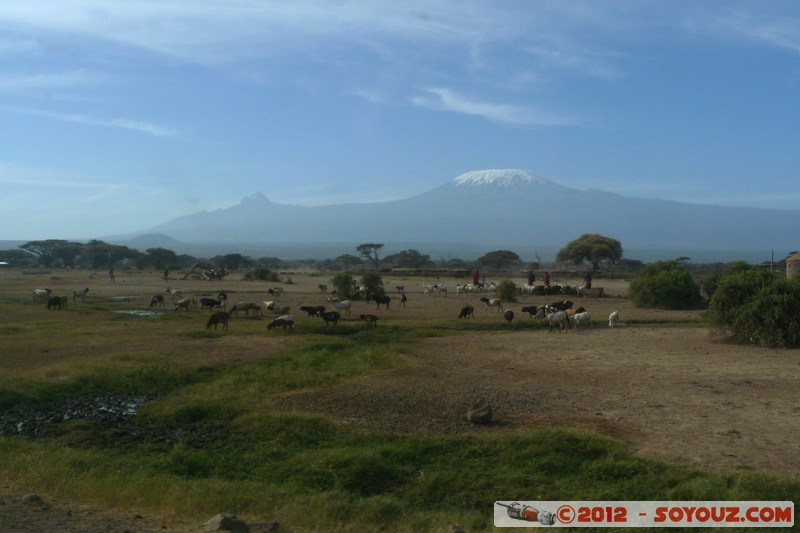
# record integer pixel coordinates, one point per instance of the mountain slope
(497, 208)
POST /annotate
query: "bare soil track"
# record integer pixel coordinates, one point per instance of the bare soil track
(662, 382)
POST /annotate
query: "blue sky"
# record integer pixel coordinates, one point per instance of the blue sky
(119, 115)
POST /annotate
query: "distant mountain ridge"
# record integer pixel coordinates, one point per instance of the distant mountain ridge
(496, 209)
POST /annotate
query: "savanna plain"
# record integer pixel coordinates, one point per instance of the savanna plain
(123, 417)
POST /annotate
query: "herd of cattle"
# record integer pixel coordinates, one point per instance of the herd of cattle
(560, 315)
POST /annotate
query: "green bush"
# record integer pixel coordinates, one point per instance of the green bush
(757, 306)
(343, 284)
(261, 274)
(666, 285)
(507, 290)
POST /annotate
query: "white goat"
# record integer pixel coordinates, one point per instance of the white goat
(41, 295)
(343, 306)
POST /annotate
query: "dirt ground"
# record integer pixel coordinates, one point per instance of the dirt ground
(661, 382)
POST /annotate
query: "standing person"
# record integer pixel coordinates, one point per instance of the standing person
(111, 275)
(531, 278)
(166, 274)
(546, 279)
(475, 277)
(587, 281)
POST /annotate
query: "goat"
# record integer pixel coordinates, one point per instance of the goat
(185, 303)
(269, 305)
(382, 299)
(330, 316)
(284, 321)
(218, 318)
(559, 319)
(246, 307)
(313, 310)
(275, 291)
(211, 303)
(533, 311)
(494, 303)
(322, 288)
(562, 305)
(57, 302)
(581, 319)
(613, 320)
(157, 301)
(371, 320)
(466, 312)
(343, 305)
(80, 293)
(509, 316)
(176, 293)
(41, 295)
(400, 288)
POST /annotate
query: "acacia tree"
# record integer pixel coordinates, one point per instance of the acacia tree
(409, 259)
(348, 261)
(369, 251)
(46, 250)
(499, 259)
(593, 248)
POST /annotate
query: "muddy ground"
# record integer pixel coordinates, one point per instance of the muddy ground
(662, 382)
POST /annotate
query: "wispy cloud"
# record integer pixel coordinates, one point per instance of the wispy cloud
(24, 82)
(442, 99)
(123, 123)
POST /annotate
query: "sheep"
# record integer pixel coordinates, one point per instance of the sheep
(211, 303)
(466, 312)
(330, 316)
(343, 305)
(382, 299)
(41, 295)
(218, 318)
(157, 301)
(284, 321)
(493, 303)
(613, 320)
(509, 316)
(80, 293)
(371, 320)
(313, 310)
(581, 319)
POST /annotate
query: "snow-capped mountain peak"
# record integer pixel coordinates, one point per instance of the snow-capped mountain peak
(505, 178)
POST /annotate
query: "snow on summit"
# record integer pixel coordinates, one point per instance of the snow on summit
(503, 178)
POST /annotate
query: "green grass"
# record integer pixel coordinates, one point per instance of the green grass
(229, 452)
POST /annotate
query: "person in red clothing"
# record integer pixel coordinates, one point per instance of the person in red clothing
(475, 278)
(546, 279)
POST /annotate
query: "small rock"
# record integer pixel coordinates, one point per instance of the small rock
(32, 499)
(226, 522)
(480, 413)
